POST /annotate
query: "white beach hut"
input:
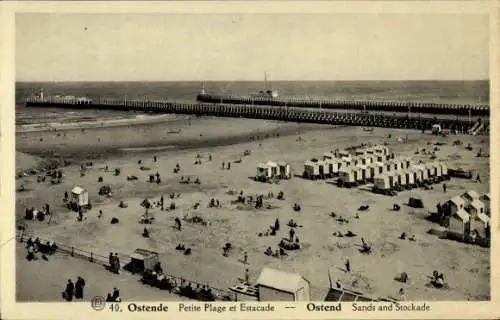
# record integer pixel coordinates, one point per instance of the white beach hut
(311, 170)
(277, 285)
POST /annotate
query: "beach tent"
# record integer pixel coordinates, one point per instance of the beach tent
(480, 224)
(485, 198)
(277, 285)
(142, 260)
(263, 171)
(381, 182)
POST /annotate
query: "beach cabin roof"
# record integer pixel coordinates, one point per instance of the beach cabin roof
(463, 215)
(281, 280)
(272, 164)
(472, 194)
(261, 165)
(477, 204)
(485, 197)
(282, 163)
(483, 217)
(328, 155)
(458, 201)
(310, 163)
(78, 190)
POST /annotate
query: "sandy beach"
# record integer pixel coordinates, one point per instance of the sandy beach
(466, 267)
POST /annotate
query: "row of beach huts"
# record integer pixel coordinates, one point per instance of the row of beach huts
(376, 165)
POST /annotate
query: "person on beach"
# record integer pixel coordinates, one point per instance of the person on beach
(116, 294)
(292, 233)
(444, 187)
(80, 283)
(111, 262)
(70, 287)
(117, 264)
(348, 265)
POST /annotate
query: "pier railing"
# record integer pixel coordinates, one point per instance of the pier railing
(94, 257)
(419, 121)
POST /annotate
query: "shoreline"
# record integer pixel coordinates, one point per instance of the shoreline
(86, 124)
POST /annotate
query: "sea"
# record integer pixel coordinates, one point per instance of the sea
(456, 92)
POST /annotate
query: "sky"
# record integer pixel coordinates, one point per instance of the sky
(238, 47)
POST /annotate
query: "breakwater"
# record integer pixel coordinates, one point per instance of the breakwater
(354, 104)
(292, 114)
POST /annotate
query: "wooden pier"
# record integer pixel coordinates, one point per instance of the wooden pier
(418, 121)
(353, 104)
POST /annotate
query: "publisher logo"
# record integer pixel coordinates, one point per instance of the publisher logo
(98, 303)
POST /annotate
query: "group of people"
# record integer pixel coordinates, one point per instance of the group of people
(74, 289)
(115, 297)
(36, 246)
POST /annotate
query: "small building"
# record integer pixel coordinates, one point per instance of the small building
(347, 177)
(475, 207)
(480, 224)
(485, 198)
(277, 285)
(333, 166)
(453, 205)
(470, 196)
(273, 167)
(379, 168)
(311, 170)
(381, 182)
(79, 197)
(285, 170)
(459, 224)
(324, 169)
(410, 178)
(263, 171)
(401, 178)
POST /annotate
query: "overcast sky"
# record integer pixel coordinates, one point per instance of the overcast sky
(170, 47)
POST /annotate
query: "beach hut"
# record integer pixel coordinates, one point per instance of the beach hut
(485, 198)
(418, 174)
(273, 168)
(475, 207)
(379, 158)
(405, 162)
(370, 151)
(438, 170)
(311, 170)
(470, 196)
(79, 198)
(459, 224)
(453, 205)
(410, 179)
(444, 171)
(333, 165)
(480, 224)
(400, 179)
(324, 169)
(285, 170)
(382, 184)
(379, 168)
(432, 168)
(263, 172)
(347, 178)
(277, 285)
(359, 174)
(366, 173)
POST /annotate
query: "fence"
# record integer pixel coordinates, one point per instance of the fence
(220, 294)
